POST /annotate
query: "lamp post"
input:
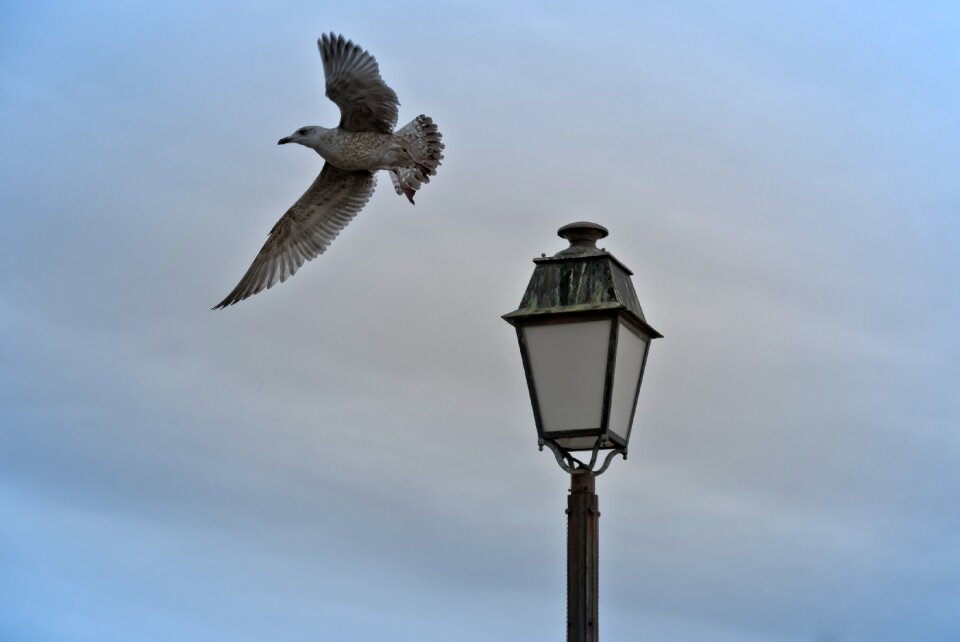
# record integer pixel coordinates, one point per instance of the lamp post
(584, 343)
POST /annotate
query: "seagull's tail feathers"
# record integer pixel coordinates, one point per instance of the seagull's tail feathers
(423, 140)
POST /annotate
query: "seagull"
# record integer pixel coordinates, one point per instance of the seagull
(363, 143)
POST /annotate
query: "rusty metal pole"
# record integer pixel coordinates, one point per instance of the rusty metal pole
(583, 557)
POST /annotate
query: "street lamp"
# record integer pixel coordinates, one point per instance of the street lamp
(584, 343)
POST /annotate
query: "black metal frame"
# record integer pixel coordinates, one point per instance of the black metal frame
(616, 316)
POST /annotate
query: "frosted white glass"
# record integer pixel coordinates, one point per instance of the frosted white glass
(569, 365)
(630, 350)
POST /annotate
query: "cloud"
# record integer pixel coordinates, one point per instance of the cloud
(354, 448)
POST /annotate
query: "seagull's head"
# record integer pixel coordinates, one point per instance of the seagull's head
(305, 136)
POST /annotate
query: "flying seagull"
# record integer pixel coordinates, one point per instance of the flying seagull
(363, 143)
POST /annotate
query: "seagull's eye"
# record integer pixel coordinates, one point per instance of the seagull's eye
(302, 132)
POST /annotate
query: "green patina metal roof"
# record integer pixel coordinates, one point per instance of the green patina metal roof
(580, 278)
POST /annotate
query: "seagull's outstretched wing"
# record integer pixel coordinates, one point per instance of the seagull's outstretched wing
(366, 103)
(306, 229)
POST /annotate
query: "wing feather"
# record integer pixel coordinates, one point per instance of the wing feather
(306, 230)
(353, 82)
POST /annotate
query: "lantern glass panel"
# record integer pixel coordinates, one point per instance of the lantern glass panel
(631, 348)
(577, 443)
(568, 362)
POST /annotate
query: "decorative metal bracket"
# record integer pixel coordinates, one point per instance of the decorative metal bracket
(572, 465)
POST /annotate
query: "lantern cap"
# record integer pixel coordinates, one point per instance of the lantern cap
(592, 231)
(580, 279)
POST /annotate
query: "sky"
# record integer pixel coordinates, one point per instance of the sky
(351, 455)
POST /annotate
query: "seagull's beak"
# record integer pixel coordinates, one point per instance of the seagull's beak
(284, 140)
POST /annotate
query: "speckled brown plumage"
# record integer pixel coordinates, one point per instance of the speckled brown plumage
(363, 143)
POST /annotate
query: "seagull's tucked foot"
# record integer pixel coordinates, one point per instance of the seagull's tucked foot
(425, 171)
(423, 141)
(401, 187)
